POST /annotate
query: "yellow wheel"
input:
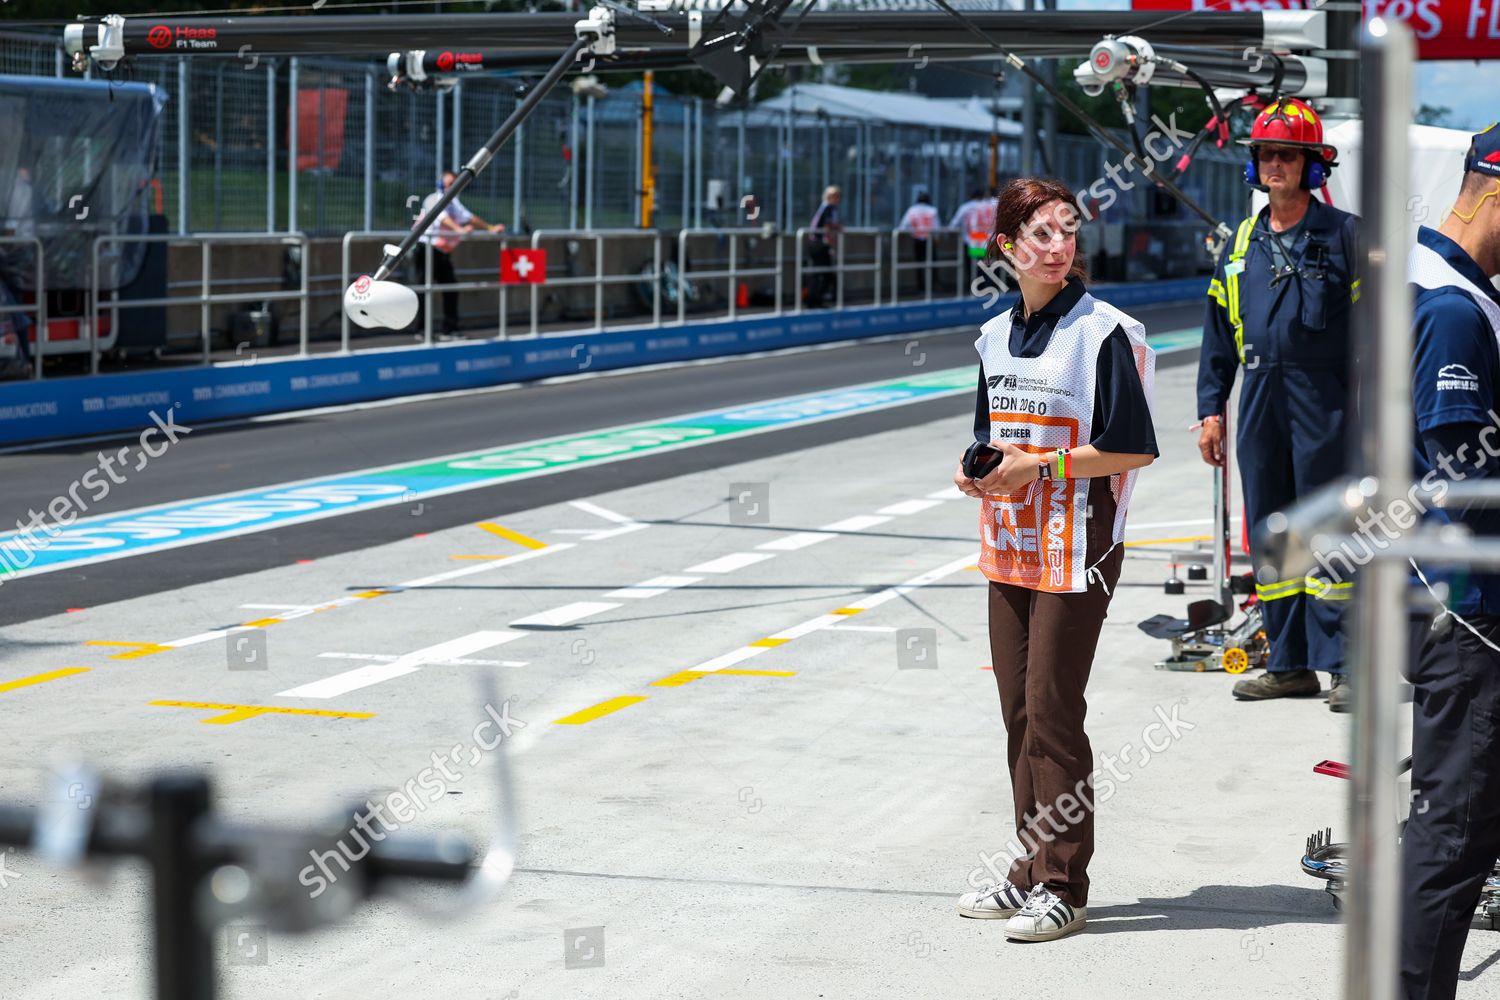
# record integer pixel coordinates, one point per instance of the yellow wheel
(1235, 660)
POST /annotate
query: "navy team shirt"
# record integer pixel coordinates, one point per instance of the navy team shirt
(1455, 388)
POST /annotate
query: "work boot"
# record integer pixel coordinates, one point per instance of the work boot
(1278, 684)
(1340, 698)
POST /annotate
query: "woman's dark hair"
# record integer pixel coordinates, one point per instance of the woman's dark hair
(1019, 200)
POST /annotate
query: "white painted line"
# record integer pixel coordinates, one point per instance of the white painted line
(597, 511)
(948, 493)
(811, 625)
(270, 607)
(426, 581)
(800, 540)
(484, 567)
(565, 614)
(909, 507)
(729, 563)
(386, 658)
(363, 677)
(858, 523)
(599, 534)
(730, 659)
(654, 587)
(202, 637)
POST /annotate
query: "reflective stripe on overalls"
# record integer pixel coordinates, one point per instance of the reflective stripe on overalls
(1229, 296)
(1315, 587)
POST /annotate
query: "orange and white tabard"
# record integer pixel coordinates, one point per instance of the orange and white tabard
(1037, 538)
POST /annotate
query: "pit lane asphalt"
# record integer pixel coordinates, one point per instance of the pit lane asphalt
(243, 455)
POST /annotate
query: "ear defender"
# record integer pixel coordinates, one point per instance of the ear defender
(1007, 246)
(1252, 171)
(1316, 174)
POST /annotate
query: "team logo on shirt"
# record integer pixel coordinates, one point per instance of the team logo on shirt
(1457, 377)
(1003, 381)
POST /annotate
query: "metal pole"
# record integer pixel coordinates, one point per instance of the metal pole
(369, 149)
(742, 186)
(576, 164)
(827, 141)
(292, 146)
(518, 164)
(458, 123)
(205, 311)
(440, 139)
(869, 182)
(219, 147)
(1373, 910)
(183, 162)
(791, 160)
(588, 177)
(1028, 118)
(698, 164)
(687, 161)
(270, 147)
(781, 213)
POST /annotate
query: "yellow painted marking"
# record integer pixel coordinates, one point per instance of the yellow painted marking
(137, 649)
(968, 569)
(512, 536)
(602, 709)
(1171, 541)
(51, 675)
(679, 679)
(238, 713)
(688, 676)
(263, 623)
(757, 673)
(367, 594)
(770, 643)
(847, 611)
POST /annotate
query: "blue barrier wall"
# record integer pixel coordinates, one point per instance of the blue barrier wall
(71, 407)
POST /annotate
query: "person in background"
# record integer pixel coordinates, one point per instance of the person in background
(822, 237)
(920, 220)
(20, 220)
(1452, 837)
(1064, 396)
(975, 218)
(444, 236)
(1279, 305)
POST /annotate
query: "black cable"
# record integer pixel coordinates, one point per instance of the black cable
(1093, 126)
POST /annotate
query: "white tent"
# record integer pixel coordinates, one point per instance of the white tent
(808, 102)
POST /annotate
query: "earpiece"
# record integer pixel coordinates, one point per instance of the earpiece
(1007, 246)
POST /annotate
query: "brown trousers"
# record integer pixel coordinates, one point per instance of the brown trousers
(1042, 646)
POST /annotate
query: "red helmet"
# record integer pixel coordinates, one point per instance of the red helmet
(1290, 122)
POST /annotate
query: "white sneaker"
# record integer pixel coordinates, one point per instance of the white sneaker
(1044, 917)
(992, 902)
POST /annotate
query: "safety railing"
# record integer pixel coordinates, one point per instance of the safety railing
(206, 298)
(749, 262)
(733, 273)
(39, 307)
(929, 262)
(839, 266)
(600, 279)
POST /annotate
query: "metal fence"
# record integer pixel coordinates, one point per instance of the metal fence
(323, 147)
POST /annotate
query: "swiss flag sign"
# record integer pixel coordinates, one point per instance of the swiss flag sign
(523, 267)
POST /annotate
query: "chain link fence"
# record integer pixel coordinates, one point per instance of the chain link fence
(323, 147)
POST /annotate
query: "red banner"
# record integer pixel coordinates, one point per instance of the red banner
(523, 267)
(1445, 29)
(323, 106)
